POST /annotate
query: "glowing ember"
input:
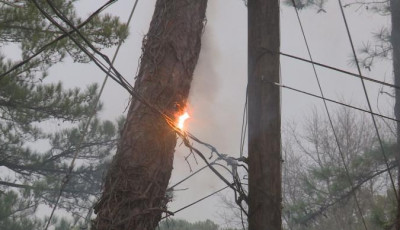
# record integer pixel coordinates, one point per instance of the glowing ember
(181, 120)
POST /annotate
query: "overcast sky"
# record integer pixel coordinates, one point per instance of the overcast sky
(218, 90)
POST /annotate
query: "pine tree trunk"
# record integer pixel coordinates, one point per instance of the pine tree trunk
(395, 39)
(134, 195)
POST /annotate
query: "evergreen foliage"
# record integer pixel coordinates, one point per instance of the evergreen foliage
(41, 123)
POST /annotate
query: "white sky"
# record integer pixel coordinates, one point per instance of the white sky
(218, 90)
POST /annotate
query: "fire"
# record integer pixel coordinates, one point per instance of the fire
(181, 120)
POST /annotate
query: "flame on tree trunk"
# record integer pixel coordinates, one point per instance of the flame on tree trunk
(134, 195)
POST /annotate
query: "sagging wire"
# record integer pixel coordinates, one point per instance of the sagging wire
(195, 202)
(333, 101)
(371, 79)
(171, 188)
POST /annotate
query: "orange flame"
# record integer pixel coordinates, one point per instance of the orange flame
(181, 120)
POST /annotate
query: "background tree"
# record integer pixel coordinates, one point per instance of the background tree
(35, 158)
(317, 192)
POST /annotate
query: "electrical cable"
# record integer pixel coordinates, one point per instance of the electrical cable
(191, 175)
(197, 201)
(340, 70)
(333, 101)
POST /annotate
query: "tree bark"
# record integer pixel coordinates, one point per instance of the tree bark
(395, 40)
(134, 195)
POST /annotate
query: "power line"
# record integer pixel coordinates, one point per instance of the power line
(341, 71)
(367, 98)
(333, 101)
(330, 118)
(191, 175)
(197, 201)
(86, 127)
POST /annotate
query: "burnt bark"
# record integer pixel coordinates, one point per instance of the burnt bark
(395, 40)
(134, 195)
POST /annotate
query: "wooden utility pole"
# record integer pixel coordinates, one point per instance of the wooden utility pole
(264, 116)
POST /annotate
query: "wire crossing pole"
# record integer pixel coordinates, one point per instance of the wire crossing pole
(264, 142)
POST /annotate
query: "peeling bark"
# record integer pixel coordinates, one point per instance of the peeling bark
(134, 195)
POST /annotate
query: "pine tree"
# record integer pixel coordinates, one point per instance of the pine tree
(33, 158)
(318, 194)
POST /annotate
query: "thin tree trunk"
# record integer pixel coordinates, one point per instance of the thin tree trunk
(395, 39)
(134, 195)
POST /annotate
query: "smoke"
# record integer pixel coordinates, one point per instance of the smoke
(203, 119)
(215, 105)
(205, 88)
